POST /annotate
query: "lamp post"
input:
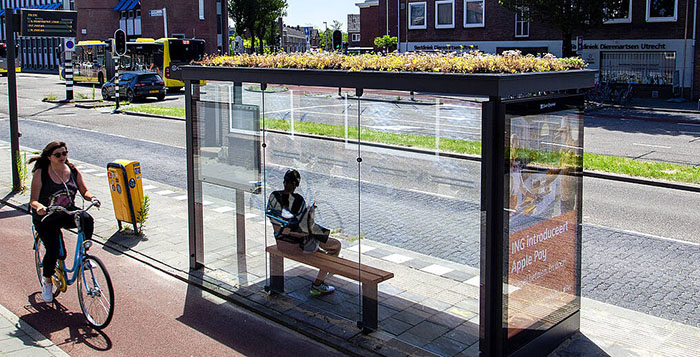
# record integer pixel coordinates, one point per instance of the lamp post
(325, 36)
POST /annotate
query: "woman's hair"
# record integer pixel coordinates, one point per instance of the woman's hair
(42, 161)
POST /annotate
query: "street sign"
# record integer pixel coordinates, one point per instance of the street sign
(48, 23)
(155, 13)
(69, 44)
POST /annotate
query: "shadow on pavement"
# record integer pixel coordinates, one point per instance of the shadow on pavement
(246, 333)
(124, 239)
(11, 213)
(578, 345)
(49, 318)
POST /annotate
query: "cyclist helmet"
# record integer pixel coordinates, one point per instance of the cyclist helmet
(292, 176)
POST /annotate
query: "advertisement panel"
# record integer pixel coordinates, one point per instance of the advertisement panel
(542, 243)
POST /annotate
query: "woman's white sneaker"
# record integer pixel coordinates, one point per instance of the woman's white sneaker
(47, 292)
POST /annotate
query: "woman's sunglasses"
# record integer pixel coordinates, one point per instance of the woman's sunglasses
(59, 154)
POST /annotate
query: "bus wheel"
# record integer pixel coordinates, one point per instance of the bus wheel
(101, 79)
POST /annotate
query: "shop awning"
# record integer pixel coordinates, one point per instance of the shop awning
(125, 5)
(55, 6)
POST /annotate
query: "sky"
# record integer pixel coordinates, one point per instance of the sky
(315, 12)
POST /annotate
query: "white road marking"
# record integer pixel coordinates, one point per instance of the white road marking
(206, 203)
(223, 209)
(251, 215)
(437, 269)
(89, 171)
(365, 248)
(397, 258)
(181, 198)
(104, 174)
(652, 146)
(165, 192)
(149, 187)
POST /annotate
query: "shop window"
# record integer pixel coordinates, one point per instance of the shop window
(416, 15)
(621, 15)
(444, 14)
(522, 26)
(474, 13)
(662, 10)
(356, 37)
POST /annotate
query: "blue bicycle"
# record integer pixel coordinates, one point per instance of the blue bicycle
(95, 291)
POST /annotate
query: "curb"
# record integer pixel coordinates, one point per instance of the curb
(126, 112)
(655, 109)
(642, 181)
(40, 339)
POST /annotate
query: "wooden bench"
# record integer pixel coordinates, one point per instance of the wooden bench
(368, 276)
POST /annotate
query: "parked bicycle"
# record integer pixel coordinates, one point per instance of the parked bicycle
(95, 291)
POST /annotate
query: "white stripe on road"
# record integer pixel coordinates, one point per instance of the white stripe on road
(437, 269)
(165, 192)
(149, 187)
(652, 146)
(206, 203)
(89, 171)
(181, 198)
(104, 174)
(250, 215)
(223, 209)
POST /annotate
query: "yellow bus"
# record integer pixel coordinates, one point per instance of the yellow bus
(92, 63)
(146, 54)
(3, 59)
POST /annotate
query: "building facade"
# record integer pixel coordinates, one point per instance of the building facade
(98, 19)
(649, 43)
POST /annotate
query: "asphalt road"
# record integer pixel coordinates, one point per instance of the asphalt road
(155, 314)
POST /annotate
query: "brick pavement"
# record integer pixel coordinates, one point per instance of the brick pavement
(18, 339)
(431, 304)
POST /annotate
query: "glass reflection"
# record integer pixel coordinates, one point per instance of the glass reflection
(545, 162)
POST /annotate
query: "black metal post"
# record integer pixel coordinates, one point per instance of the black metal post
(492, 216)
(12, 98)
(69, 75)
(194, 186)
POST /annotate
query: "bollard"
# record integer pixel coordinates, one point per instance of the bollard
(116, 95)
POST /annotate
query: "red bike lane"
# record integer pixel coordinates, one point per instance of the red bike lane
(155, 314)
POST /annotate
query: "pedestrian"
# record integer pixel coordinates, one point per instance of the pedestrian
(291, 219)
(55, 182)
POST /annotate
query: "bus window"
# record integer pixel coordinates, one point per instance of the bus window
(186, 50)
(3, 50)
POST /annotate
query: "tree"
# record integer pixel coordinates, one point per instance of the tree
(387, 42)
(568, 16)
(257, 18)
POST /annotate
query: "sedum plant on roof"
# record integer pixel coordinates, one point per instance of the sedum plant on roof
(469, 62)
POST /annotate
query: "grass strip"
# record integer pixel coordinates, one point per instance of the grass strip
(593, 162)
(157, 110)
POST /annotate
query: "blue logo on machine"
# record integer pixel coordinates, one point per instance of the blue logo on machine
(132, 183)
(119, 189)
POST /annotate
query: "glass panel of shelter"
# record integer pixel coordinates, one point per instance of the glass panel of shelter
(310, 131)
(229, 169)
(420, 199)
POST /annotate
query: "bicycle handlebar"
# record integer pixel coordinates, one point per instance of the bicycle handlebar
(53, 209)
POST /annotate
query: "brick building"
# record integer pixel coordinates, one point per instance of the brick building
(98, 19)
(647, 43)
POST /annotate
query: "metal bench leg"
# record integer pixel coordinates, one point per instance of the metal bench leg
(277, 273)
(369, 307)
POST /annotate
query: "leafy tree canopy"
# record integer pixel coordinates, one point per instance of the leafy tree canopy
(257, 18)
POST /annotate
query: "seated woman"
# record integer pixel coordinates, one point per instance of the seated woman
(286, 210)
(55, 183)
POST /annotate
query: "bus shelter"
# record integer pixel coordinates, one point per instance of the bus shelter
(474, 206)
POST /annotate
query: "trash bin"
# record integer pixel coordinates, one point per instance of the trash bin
(127, 191)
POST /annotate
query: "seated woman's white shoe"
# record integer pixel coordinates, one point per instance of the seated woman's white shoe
(47, 292)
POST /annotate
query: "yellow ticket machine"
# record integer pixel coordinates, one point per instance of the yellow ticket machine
(127, 191)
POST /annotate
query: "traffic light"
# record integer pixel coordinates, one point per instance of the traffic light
(337, 40)
(119, 42)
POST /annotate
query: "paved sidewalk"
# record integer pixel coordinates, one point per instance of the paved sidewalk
(19, 339)
(430, 307)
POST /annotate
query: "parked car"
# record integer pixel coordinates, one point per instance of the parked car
(135, 85)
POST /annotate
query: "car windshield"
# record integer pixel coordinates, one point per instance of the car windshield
(151, 77)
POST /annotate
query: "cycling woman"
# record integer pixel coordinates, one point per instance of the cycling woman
(55, 183)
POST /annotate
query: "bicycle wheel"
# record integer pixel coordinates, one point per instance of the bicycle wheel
(95, 292)
(39, 252)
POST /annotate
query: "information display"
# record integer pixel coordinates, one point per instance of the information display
(544, 200)
(49, 23)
